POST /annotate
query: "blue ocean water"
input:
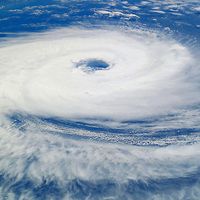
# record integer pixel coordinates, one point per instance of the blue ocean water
(53, 156)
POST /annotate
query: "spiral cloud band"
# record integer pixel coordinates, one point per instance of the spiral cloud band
(55, 85)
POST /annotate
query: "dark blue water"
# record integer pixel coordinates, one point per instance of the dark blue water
(92, 64)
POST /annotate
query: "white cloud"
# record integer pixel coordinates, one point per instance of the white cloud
(147, 76)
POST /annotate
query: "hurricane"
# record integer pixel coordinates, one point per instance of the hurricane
(99, 100)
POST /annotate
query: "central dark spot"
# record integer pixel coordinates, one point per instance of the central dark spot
(92, 65)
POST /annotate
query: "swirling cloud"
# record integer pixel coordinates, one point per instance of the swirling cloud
(103, 79)
(146, 75)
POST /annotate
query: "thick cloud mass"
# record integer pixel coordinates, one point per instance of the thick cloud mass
(146, 75)
(67, 96)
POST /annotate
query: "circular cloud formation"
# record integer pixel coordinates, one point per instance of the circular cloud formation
(84, 76)
(110, 74)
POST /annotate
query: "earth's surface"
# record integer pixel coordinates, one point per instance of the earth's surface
(100, 99)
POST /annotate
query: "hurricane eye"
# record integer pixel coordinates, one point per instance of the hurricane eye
(92, 65)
